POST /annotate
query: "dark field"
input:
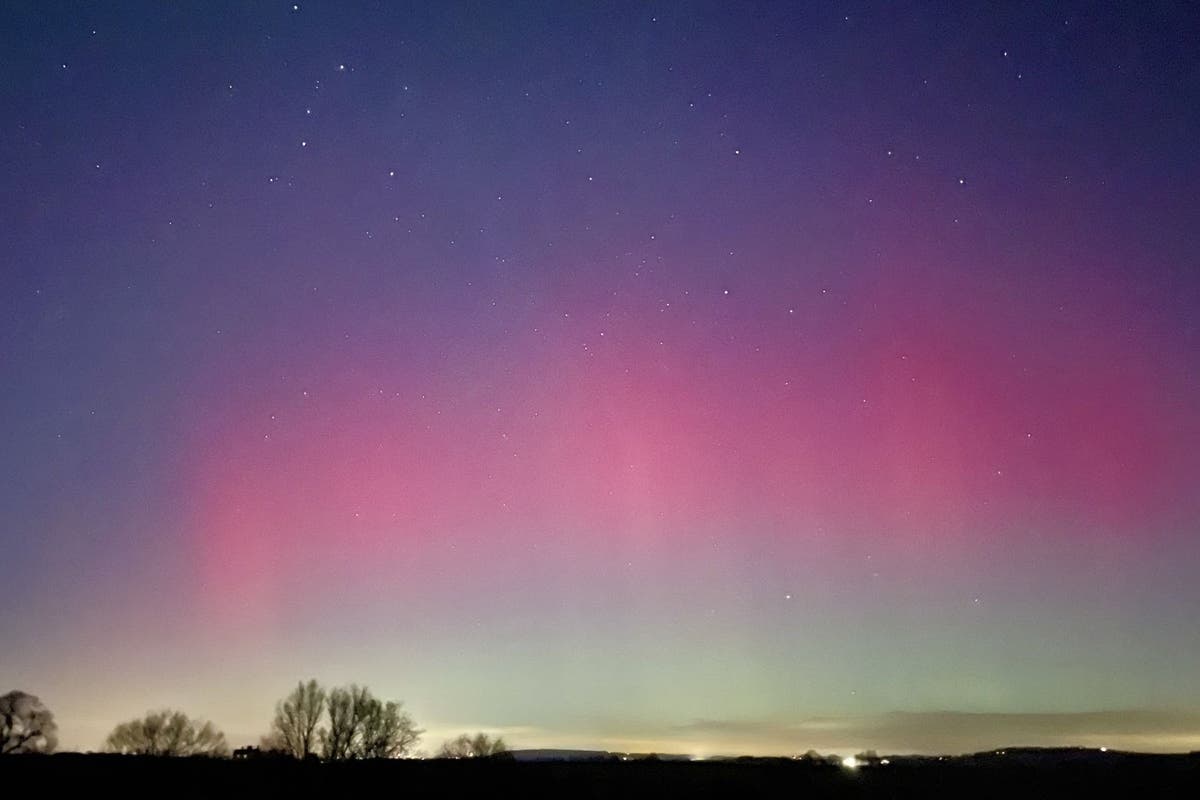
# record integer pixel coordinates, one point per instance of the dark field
(1115, 775)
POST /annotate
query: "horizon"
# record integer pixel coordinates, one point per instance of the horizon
(1139, 731)
(675, 377)
(1164, 731)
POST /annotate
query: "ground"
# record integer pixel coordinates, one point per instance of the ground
(1129, 776)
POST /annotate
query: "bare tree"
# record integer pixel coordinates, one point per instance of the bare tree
(387, 731)
(297, 718)
(478, 746)
(337, 740)
(26, 726)
(361, 726)
(167, 733)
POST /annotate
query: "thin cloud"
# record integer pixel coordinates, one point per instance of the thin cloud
(953, 731)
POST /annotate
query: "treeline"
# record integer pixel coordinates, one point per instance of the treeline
(312, 722)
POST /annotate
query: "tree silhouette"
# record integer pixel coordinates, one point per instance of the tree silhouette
(167, 733)
(362, 726)
(387, 732)
(336, 740)
(297, 717)
(26, 726)
(478, 746)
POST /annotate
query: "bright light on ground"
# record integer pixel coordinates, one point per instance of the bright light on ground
(850, 762)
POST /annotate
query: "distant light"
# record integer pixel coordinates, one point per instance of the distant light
(850, 762)
(1103, 749)
(885, 762)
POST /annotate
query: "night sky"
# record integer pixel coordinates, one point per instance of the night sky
(674, 376)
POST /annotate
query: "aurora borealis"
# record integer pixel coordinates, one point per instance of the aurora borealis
(686, 377)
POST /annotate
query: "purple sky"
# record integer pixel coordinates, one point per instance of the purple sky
(694, 377)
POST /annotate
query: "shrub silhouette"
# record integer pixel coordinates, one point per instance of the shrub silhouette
(478, 746)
